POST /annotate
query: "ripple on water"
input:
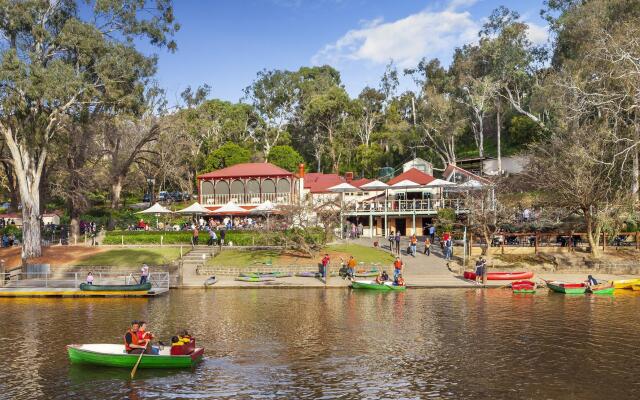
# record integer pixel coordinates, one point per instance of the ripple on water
(325, 344)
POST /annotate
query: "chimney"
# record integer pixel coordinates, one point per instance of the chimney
(349, 176)
(301, 170)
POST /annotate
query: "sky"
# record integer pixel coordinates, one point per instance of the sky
(224, 43)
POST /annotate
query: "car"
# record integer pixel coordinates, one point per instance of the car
(163, 195)
(175, 196)
(146, 198)
(187, 196)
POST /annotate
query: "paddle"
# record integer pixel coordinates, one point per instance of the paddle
(135, 367)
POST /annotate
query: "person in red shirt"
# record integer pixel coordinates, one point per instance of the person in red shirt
(397, 267)
(325, 265)
(132, 342)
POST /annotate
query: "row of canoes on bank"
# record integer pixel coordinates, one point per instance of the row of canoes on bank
(527, 286)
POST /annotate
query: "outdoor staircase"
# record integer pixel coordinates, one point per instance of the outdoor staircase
(194, 259)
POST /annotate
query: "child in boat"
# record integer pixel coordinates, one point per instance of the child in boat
(185, 337)
(591, 281)
(385, 276)
(144, 335)
(398, 281)
(379, 279)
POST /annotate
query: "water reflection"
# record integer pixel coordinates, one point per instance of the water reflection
(335, 343)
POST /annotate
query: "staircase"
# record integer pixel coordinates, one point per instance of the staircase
(191, 261)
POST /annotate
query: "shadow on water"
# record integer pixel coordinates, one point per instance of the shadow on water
(81, 374)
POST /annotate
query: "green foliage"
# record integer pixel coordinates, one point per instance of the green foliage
(285, 157)
(227, 155)
(446, 218)
(369, 158)
(12, 230)
(521, 130)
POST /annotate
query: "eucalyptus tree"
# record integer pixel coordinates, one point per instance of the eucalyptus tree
(59, 57)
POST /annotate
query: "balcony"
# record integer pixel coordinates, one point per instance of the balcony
(403, 206)
(248, 199)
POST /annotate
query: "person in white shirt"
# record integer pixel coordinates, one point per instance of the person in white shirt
(144, 274)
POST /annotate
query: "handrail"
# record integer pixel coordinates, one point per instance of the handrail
(74, 279)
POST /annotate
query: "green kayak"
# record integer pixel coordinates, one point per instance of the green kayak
(113, 355)
(115, 288)
(255, 278)
(371, 285)
(367, 274)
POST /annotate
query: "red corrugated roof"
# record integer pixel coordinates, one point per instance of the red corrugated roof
(247, 170)
(359, 182)
(320, 183)
(414, 175)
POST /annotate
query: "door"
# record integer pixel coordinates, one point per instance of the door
(401, 226)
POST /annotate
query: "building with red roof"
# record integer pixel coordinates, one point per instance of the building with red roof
(247, 185)
(413, 175)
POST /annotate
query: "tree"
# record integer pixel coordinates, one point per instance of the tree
(273, 97)
(59, 57)
(227, 155)
(285, 157)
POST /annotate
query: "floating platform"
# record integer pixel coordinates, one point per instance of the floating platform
(71, 292)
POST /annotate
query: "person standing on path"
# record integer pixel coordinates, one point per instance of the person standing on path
(414, 244)
(194, 239)
(392, 238)
(351, 267)
(212, 237)
(325, 266)
(397, 239)
(432, 233)
(144, 274)
(397, 268)
(222, 235)
(448, 249)
(427, 245)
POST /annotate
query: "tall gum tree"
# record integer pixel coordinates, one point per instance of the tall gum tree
(62, 56)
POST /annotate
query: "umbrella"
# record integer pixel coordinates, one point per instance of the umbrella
(195, 209)
(342, 188)
(375, 185)
(265, 208)
(156, 209)
(440, 183)
(230, 208)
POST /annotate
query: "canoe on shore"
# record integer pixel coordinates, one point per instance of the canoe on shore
(120, 288)
(367, 274)
(635, 287)
(626, 283)
(255, 278)
(501, 276)
(114, 355)
(566, 288)
(308, 274)
(266, 274)
(372, 285)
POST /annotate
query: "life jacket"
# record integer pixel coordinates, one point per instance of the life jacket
(134, 340)
(397, 264)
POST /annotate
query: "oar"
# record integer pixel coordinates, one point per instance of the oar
(135, 367)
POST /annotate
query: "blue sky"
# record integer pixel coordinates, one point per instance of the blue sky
(225, 42)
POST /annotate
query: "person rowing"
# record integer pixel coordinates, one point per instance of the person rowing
(143, 334)
(132, 343)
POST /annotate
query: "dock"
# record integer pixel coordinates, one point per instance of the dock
(74, 292)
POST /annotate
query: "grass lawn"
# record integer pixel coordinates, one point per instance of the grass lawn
(255, 258)
(132, 257)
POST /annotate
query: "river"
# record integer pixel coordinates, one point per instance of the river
(334, 343)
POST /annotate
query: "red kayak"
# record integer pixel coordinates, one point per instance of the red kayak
(501, 276)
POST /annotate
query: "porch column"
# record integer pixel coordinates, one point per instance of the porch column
(386, 220)
(371, 225)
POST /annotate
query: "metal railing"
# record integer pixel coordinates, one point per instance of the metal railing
(380, 206)
(253, 199)
(19, 279)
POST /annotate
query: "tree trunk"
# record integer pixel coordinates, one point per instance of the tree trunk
(635, 183)
(592, 237)
(74, 223)
(486, 250)
(31, 236)
(499, 139)
(116, 190)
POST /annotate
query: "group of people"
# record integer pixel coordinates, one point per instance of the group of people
(8, 240)
(137, 340)
(354, 231)
(446, 243)
(350, 270)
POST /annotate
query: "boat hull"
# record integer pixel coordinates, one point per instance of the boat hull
(115, 288)
(559, 287)
(85, 354)
(369, 285)
(626, 283)
(255, 279)
(501, 276)
(604, 291)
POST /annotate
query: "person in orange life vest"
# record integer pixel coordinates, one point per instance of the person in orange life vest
(414, 244)
(144, 335)
(132, 344)
(351, 266)
(398, 280)
(397, 267)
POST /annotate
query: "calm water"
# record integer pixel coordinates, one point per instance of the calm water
(316, 343)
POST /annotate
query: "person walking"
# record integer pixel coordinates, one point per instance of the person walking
(432, 233)
(414, 244)
(212, 237)
(448, 249)
(360, 229)
(397, 268)
(144, 274)
(397, 240)
(325, 265)
(427, 245)
(222, 236)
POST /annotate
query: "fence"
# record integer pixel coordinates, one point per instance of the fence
(571, 240)
(19, 279)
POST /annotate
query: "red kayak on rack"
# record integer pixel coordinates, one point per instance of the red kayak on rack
(501, 276)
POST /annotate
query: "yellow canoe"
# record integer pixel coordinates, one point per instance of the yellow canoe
(635, 287)
(626, 283)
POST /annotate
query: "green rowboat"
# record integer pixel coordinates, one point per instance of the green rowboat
(372, 285)
(367, 274)
(561, 287)
(115, 288)
(113, 355)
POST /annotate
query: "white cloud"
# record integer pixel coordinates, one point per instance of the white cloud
(406, 41)
(429, 33)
